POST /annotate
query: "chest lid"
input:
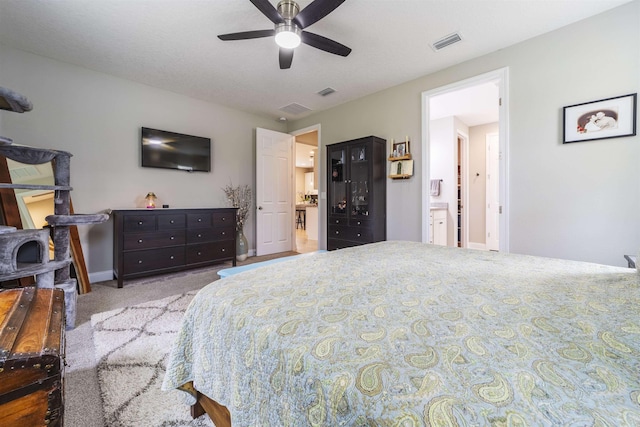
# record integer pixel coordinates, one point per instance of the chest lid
(31, 325)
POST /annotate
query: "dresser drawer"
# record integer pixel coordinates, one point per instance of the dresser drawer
(338, 231)
(224, 219)
(362, 223)
(200, 235)
(338, 221)
(333, 244)
(209, 251)
(361, 235)
(153, 259)
(199, 220)
(133, 223)
(159, 239)
(170, 222)
(356, 234)
(209, 234)
(224, 233)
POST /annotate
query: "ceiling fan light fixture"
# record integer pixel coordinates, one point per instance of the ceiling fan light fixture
(289, 28)
(287, 36)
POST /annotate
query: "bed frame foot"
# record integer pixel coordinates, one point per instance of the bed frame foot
(219, 414)
(197, 410)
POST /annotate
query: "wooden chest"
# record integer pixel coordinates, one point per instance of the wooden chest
(31, 357)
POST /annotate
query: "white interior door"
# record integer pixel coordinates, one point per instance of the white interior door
(493, 192)
(274, 189)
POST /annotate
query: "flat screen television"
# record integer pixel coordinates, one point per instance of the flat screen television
(170, 150)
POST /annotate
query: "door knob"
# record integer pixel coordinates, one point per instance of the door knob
(259, 208)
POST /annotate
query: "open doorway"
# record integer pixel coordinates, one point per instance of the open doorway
(465, 154)
(307, 170)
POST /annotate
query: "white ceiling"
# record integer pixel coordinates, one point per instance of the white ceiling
(172, 44)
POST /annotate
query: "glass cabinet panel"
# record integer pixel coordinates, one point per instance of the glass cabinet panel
(359, 180)
(337, 183)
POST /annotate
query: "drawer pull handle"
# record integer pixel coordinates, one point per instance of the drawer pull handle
(199, 235)
(172, 238)
(223, 233)
(337, 232)
(199, 219)
(223, 249)
(139, 222)
(171, 222)
(171, 257)
(337, 221)
(139, 261)
(199, 253)
(358, 222)
(224, 218)
(139, 240)
(358, 234)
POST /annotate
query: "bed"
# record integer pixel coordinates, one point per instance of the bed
(409, 334)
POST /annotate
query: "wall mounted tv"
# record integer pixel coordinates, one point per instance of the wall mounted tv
(170, 150)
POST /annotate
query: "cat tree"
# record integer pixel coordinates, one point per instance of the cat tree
(25, 253)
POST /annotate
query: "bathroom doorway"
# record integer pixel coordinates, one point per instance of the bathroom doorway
(460, 123)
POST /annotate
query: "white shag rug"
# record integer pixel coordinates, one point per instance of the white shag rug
(132, 345)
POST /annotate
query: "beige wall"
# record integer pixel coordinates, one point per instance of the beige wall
(575, 201)
(97, 118)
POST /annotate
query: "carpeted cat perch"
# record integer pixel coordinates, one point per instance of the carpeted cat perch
(25, 253)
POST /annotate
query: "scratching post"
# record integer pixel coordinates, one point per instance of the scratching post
(19, 248)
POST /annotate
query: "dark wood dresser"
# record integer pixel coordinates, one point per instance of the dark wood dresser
(156, 241)
(356, 192)
(32, 351)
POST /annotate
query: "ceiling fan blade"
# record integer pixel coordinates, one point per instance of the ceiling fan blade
(315, 12)
(247, 35)
(286, 57)
(268, 10)
(324, 43)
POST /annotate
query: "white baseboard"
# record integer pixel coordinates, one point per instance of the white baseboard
(478, 246)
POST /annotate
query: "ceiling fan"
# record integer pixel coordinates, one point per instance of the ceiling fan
(290, 23)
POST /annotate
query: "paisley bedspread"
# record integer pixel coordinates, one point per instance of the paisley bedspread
(409, 334)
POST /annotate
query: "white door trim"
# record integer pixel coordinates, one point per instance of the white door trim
(464, 190)
(322, 234)
(492, 205)
(502, 76)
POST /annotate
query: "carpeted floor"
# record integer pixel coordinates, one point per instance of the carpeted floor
(83, 403)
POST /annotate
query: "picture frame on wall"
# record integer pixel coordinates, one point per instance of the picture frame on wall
(401, 149)
(602, 119)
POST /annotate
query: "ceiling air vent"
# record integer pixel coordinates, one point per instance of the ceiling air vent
(327, 91)
(446, 41)
(295, 109)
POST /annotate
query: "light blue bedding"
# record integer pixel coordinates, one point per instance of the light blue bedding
(408, 334)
